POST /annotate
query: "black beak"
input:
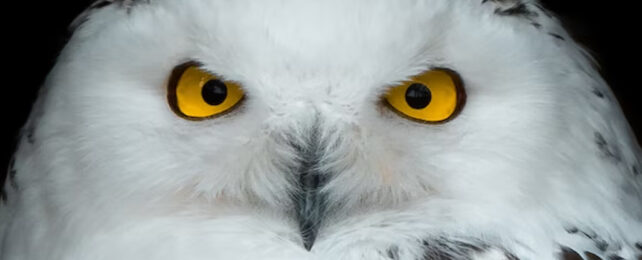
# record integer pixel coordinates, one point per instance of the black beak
(309, 201)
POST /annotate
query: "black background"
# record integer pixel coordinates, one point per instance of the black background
(37, 30)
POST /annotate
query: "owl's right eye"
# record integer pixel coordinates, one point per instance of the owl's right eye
(196, 94)
(434, 96)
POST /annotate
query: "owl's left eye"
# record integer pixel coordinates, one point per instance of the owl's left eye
(434, 96)
(196, 94)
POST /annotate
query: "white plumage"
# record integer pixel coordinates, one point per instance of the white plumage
(540, 161)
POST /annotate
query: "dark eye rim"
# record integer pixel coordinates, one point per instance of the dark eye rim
(172, 99)
(461, 99)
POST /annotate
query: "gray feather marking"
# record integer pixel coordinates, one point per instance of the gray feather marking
(606, 149)
(446, 249)
(125, 4)
(569, 254)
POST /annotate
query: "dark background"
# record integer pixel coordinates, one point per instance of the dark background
(37, 30)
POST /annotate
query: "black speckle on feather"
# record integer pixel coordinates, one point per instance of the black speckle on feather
(446, 249)
(616, 257)
(601, 244)
(557, 36)
(519, 9)
(544, 11)
(510, 256)
(572, 230)
(30, 134)
(569, 254)
(589, 234)
(393, 253)
(598, 93)
(591, 256)
(82, 18)
(101, 4)
(606, 149)
(13, 173)
(503, 1)
(11, 177)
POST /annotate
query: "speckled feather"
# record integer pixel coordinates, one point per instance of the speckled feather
(81, 18)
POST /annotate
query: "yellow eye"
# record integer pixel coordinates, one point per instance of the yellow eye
(195, 94)
(434, 96)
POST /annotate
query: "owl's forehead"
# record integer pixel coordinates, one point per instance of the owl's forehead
(309, 36)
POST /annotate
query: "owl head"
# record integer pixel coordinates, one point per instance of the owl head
(433, 117)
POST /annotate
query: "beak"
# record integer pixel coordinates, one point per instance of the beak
(309, 201)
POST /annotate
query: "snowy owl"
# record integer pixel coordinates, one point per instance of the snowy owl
(313, 130)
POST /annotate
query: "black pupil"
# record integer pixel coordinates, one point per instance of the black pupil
(418, 96)
(214, 92)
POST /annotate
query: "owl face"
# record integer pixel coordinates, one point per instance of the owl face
(309, 71)
(326, 120)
